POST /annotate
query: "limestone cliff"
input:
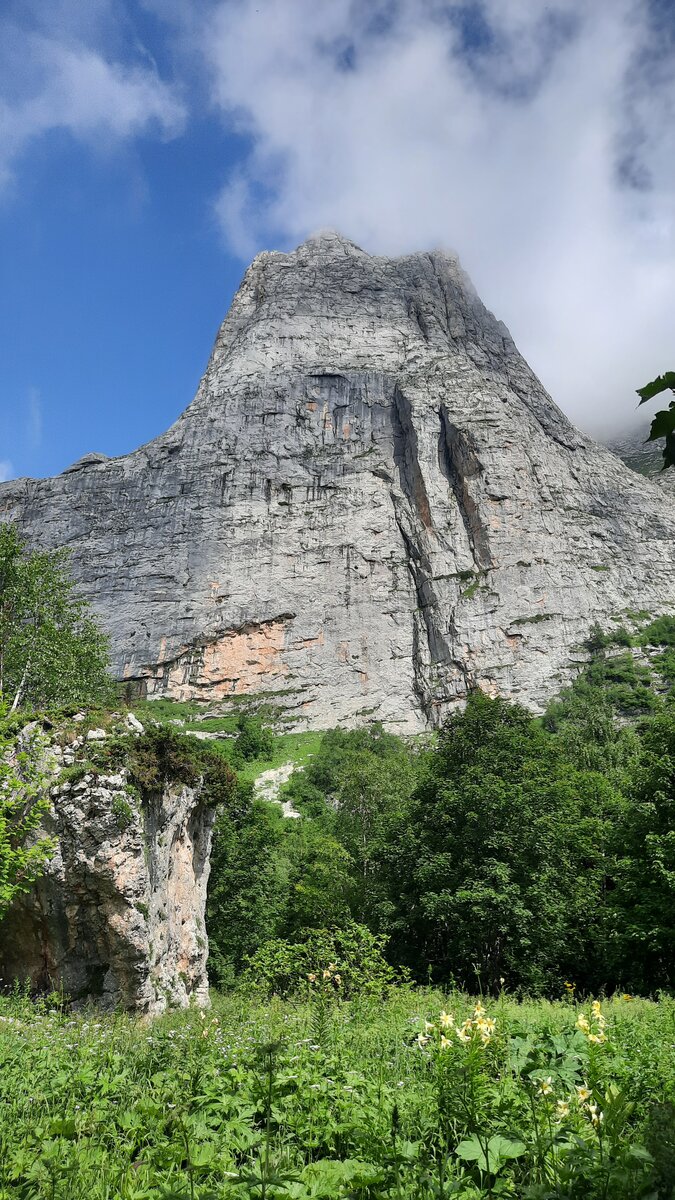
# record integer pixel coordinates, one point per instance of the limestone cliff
(118, 916)
(370, 506)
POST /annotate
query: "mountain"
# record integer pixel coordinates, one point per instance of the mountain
(645, 457)
(371, 506)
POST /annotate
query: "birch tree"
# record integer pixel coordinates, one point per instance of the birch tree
(51, 650)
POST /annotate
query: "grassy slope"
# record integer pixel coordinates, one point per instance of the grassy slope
(289, 747)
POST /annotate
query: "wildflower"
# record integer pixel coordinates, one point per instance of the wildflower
(583, 1094)
(312, 977)
(479, 1011)
(583, 1024)
(562, 1110)
(337, 979)
(429, 1026)
(422, 1039)
(326, 973)
(445, 1020)
(546, 1086)
(626, 996)
(597, 1038)
(445, 1042)
(463, 1033)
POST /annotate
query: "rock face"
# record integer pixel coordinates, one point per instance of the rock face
(371, 506)
(118, 916)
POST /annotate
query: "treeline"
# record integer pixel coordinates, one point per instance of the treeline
(513, 851)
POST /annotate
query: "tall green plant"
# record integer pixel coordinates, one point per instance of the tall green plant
(24, 801)
(51, 650)
(663, 424)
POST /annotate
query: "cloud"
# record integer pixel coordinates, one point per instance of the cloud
(6, 470)
(56, 76)
(536, 140)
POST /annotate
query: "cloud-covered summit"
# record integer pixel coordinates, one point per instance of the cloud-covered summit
(538, 141)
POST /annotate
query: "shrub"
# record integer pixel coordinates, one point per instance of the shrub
(349, 960)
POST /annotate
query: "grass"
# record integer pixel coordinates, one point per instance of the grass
(319, 1097)
(297, 748)
(288, 747)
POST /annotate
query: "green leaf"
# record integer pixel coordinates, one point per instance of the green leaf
(663, 423)
(499, 1150)
(658, 385)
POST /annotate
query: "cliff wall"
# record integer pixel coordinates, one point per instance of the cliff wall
(370, 506)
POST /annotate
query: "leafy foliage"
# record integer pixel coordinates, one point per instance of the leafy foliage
(502, 856)
(370, 1099)
(248, 885)
(663, 424)
(346, 960)
(512, 848)
(51, 651)
(24, 800)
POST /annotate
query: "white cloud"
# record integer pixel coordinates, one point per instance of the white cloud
(6, 470)
(538, 142)
(53, 78)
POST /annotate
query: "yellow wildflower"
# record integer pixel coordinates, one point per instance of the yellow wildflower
(546, 1086)
(422, 1039)
(312, 977)
(479, 1011)
(562, 1110)
(445, 1020)
(429, 1026)
(597, 1038)
(582, 1022)
(445, 1042)
(463, 1033)
(326, 973)
(626, 996)
(583, 1093)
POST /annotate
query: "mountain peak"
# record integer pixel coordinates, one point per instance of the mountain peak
(371, 507)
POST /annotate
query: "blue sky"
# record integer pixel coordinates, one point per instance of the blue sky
(148, 148)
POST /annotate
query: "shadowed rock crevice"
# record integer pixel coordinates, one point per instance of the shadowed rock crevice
(460, 465)
(406, 457)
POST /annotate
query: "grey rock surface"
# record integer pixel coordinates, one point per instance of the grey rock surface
(371, 506)
(118, 916)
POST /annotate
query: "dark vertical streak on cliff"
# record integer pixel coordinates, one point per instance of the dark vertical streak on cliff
(459, 463)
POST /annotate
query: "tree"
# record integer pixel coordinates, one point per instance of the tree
(356, 787)
(51, 651)
(248, 884)
(663, 424)
(500, 865)
(24, 800)
(644, 897)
